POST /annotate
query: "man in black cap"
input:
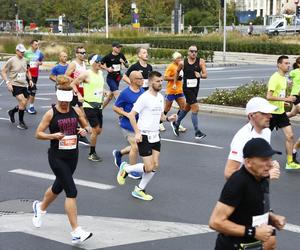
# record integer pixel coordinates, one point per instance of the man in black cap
(112, 64)
(242, 216)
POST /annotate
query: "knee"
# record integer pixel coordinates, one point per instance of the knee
(290, 137)
(96, 131)
(56, 190)
(72, 193)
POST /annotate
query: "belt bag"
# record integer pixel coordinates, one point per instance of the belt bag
(94, 105)
(257, 245)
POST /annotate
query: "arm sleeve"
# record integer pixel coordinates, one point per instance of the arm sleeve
(232, 192)
(130, 69)
(53, 71)
(120, 100)
(124, 58)
(236, 149)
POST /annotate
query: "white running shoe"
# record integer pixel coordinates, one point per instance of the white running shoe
(79, 235)
(181, 128)
(37, 214)
(162, 127)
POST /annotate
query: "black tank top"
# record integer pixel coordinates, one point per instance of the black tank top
(65, 123)
(189, 70)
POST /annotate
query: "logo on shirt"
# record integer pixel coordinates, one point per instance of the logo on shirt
(234, 152)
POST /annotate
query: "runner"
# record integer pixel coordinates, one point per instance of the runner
(74, 69)
(61, 120)
(112, 64)
(174, 91)
(276, 95)
(295, 77)
(60, 68)
(93, 86)
(34, 58)
(193, 69)
(14, 73)
(149, 106)
(122, 107)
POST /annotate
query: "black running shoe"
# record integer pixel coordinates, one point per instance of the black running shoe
(175, 128)
(22, 125)
(295, 158)
(83, 140)
(199, 135)
(11, 116)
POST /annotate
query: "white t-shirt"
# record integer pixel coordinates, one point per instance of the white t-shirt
(149, 108)
(245, 134)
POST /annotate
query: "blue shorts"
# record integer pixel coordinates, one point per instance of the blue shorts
(173, 97)
(112, 84)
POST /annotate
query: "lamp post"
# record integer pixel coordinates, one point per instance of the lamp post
(106, 18)
(17, 19)
(296, 3)
(224, 33)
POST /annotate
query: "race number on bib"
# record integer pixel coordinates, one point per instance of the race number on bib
(282, 94)
(33, 64)
(68, 142)
(98, 93)
(191, 83)
(145, 84)
(116, 67)
(260, 219)
(21, 76)
(153, 137)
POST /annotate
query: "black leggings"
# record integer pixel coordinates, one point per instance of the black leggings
(63, 168)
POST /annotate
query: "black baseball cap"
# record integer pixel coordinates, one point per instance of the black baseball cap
(258, 147)
(116, 44)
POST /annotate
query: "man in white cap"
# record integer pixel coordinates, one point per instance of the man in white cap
(14, 73)
(258, 111)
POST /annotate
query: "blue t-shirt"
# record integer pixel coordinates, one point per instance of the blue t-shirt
(125, 101)
(59, 69)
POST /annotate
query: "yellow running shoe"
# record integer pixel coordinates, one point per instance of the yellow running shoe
(140, 194)
(292, 166)
(122, 174)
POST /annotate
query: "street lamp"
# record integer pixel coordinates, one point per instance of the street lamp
(106, 17)
(17, 18)
(296, 3)
(224, 33)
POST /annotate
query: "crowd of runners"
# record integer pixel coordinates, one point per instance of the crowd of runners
(141, 109)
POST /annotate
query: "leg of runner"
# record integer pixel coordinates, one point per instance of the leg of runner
(195, 109)
(294, 111)
(181, 103)
(31, 97)
(289, 141)
(181, 115)
(22, 101)
(93, 155)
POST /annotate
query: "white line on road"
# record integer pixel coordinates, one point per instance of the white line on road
(43, 98)
(52, 177)
(193, 143)
(45, 107)
(292, 228)
(5, 119)
(240, 77)
(43, 94)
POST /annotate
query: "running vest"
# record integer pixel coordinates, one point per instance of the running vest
(93, 90)
(65, 123)
(189, 78)
(78, 70)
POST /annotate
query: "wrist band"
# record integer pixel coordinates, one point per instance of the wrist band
(250, 232)
(86, 130)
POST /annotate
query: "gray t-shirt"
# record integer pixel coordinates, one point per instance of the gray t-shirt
(16, 71)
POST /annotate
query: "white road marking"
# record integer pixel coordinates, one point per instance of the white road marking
(107, 231)
(43, 98)
(192, 143)
(292, 228)
(240, 77)
(45, 94)
(3, 118)
(45, 107)
(52, 177)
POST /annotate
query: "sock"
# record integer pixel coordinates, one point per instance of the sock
(92, 150)
(181, 115)
(139, 167)
(31, 105)
(146, 178)
(15, 109)
(289, 158)
(164, 114)
(21, 115)
(294, 151)
(195, 121)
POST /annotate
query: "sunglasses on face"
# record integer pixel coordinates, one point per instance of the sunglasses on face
(193, 51)
(82, 53)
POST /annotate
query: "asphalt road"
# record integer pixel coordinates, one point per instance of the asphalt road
(185, 189)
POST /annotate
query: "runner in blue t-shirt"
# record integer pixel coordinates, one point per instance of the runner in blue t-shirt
(60, 68)
(122, 107)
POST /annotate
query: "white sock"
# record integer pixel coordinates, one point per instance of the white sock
(146, 178)
(30, 105)
(294, 151)
(139, 167)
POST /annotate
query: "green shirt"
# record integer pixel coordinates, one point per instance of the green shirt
(277, 84)
(295, 76)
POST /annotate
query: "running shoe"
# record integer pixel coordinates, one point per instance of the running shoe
(181, 129)
(94, 157)
(83, 140)
(37, 214)
(31, 111)
(79, 235)
(117, 157)
(140, 194)
(11, 116)
(199, 135)
(292, 166)
(22, 125)
(135, 175)
(122, 174)
(175, 128)
(162, 127)
(295, 158)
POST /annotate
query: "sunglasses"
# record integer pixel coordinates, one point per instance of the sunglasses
(82, 53)
(193, 51)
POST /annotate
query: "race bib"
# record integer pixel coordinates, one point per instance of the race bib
(33, 64)
(21, 76)
(145, 84)
(282, 94)
(68, 142)
(260, 219)
(116, 67)
(191, 83)
(153, 137)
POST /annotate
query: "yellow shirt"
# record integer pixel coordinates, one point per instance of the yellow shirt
(277, 84)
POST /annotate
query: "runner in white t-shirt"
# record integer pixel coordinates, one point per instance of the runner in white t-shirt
(149, 107)
(259, 113)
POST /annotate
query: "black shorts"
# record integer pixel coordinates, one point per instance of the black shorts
(297, 100)
(145, 147)
(190, 94)
(19, 91)
(94, 116)
(279, 121)
(32, 90)
(75, 101)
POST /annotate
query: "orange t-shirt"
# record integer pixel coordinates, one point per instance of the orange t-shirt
(170, 72)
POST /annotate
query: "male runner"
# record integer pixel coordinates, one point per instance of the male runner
(14, 73)
(60, 68)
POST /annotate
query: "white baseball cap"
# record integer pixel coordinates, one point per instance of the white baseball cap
(20, 47)
(259, 104)
(64, 95)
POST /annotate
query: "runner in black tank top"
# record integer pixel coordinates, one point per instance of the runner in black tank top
(62, 122)
(193, 69)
